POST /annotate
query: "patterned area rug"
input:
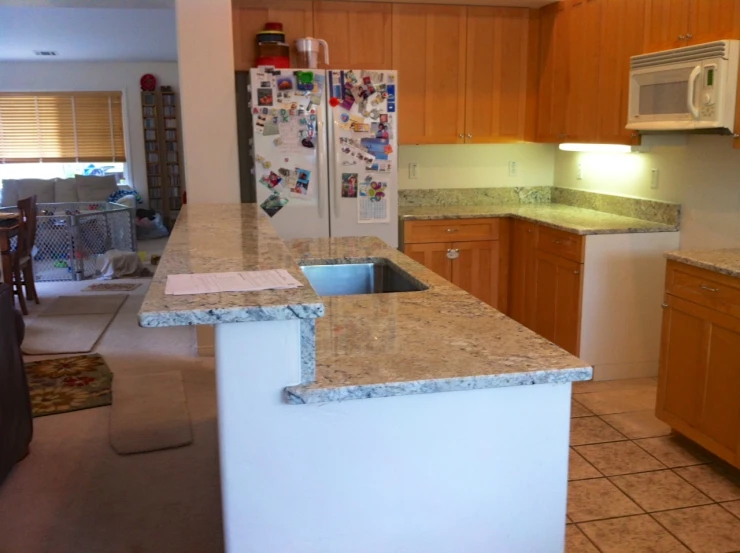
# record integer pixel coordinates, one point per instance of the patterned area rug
(111, 287)
(69, 384)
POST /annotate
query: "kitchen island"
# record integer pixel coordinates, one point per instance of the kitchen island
(412, 421)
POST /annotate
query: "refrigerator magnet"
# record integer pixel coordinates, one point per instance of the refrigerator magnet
(264, 96)
(273, 204)
(302, 182)
(284, 83)
(349, 185)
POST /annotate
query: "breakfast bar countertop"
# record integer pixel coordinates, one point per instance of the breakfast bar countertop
(222, 238)
(726, 262)
(436, 340)
(564, 217)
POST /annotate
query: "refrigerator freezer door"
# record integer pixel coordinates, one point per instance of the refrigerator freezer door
(289, 150)
(363, 153)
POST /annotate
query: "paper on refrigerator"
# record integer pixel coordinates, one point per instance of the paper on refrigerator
(372, 202)
(243, 281)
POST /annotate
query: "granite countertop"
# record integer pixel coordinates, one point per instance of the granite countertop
(572, 219)
(726, 262)
(437, 340)
(223, 238)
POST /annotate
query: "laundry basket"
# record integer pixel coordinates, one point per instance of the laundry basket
(70, 236)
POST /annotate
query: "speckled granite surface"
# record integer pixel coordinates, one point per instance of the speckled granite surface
(474, 196)
(438, 340)
(572, 219)
(638, 208)
(223, 238)
(726, 262)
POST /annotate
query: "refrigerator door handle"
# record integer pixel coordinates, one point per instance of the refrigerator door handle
(321, 161)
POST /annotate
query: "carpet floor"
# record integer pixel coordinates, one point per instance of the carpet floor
(74, 493)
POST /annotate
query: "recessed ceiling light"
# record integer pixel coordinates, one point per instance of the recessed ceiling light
(45, 53)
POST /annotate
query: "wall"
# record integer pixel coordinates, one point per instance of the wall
(476, 165)
(74, 76)
(700, 172)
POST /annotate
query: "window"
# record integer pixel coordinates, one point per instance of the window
(61, 127)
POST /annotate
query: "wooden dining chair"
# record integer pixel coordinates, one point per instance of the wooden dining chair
(23, 254)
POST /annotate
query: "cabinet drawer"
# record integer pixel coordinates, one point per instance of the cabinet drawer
(720, 292)
(559, 242)
(450, 230)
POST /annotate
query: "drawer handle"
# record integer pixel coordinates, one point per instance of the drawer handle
(557, 241)
(664, 305)
(453, 230)
(576, 272)
(708, 289)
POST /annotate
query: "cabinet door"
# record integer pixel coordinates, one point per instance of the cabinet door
(585, 24)
(558, 300)
(621, 38)
(476, 270)
(433, 256)
(429, 54)
(666, 24)
(249, 17)
(713, 20)
(552, 98)
(358, 34)
(497, 69)
(522, 283)
(699, 380)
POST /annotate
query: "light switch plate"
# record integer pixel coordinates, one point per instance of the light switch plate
(512, 168)
(654, 178)
(579, 171)
(413, 170)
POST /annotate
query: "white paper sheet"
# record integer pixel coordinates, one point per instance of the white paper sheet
(245, 281)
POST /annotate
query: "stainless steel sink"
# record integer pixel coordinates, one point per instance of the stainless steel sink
(346, 279)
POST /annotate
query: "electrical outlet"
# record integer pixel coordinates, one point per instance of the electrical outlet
(654, 178)
(579, 172)
(512, 168)
(413, 170)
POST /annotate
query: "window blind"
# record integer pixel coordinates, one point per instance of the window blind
(61, 127)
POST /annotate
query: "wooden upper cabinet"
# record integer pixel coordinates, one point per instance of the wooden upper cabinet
(585, 24)
(553, 74)
(358, 34)
(666, 24)
(625, 23)
(429, 54)
(249, 17)
(497, 75)
(710, 20)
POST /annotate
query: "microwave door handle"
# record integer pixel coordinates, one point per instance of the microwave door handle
(691, 90)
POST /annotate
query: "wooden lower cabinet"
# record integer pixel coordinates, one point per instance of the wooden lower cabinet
(475, 270)
(558, 284)
(699, 382)
(522, 272)
(433, 256)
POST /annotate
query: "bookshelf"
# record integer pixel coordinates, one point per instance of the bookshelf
(163, 153)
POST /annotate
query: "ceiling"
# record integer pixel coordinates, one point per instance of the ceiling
(143, 31)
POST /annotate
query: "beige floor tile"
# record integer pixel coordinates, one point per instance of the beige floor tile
(638, 424)
(598, 499)
(611, 385)
(619, 401)
(637, 534)
(614, 458)
(719, 483)
(708, 529)
(592, 430)
(660, 490)
(578, 410)
(579, 468)
(576, 542)
(733, 507)
(674, 451)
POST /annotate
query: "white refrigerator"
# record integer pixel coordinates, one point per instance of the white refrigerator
(321, 151)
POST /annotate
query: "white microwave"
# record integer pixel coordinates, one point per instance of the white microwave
(684, 89)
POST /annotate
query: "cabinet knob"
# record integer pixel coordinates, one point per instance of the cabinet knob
(689, 36)
(461, 136)
(708, 289)
(576, 272)
(681, 37)
(470, 136)
(452, 230)
(664, 305)
(453, 254)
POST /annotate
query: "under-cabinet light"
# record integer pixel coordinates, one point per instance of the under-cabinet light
(599, 148)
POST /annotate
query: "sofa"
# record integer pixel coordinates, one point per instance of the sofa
(81, 188)
(16, 423)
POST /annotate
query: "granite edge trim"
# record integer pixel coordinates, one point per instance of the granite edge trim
(191, 317)
(703, 265)
(302, 394)
(308, 351)
(574, 230)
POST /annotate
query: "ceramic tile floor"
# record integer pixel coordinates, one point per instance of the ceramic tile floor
(634, 487)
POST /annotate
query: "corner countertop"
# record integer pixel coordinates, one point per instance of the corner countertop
(726, 262)
(437, 340)
(223, 238)
(571, 219)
